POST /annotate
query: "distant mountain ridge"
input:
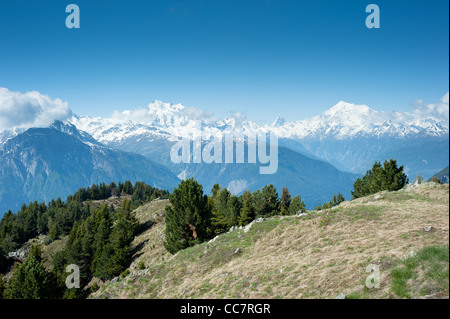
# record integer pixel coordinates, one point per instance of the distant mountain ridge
(443, 176)
(344, 120)
(46, 163)
(349, 136)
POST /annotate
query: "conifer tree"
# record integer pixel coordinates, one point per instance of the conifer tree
(271, 203)
(248, 211)
(220, 220)
(285, 201)
(393, 178)
(120, 241)
(387, 177)
(258, 201)
(31, 280)
(297, 205)
(55, 232)
(188, 217)
(234, 206)
(128, 188)
(101, 240)
(225, 209)
(339, 199)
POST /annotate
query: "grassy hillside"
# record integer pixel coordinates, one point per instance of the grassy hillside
(319, 255)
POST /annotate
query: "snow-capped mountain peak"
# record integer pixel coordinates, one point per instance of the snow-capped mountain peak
(279, 121)
(166, 121)
(344, 109)
(164, 115)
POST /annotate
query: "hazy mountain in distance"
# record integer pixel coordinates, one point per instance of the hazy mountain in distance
(349, 136)
(46, 163)
(49, 162)
(443, 176)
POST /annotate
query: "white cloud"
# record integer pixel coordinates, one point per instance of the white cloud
(164, 114)
(438, 111)
(444, 99)
(198, 114)
(418, 103)
(30, 109)
(239, 117)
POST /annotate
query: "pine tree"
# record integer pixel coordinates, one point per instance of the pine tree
(220, 220)
(188, 218)
(285, 201)
(387, 177)
(120, 241)
(103, 266)
(258, 201)
(214, 191)
(225, 209)
(297, 206)
(271, 203)
(248, 211)
(31, 280)
(55, 232)
(126, 205)
(128, 188)
(81, 251)
(393, 178)
(340, 198)
(234, 206)
(101, 239)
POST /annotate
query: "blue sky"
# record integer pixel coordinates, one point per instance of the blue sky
(260, 57)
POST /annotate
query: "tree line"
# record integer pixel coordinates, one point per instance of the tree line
(57, 217)
(99, 239)
(193, 217)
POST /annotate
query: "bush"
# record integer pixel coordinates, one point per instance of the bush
(125, 273)
(94, 287)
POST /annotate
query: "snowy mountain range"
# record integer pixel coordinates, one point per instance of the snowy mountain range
(342, 121)
(318, 157)
(349, 136)
(347, 121)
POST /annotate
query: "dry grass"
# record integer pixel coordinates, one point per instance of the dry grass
(319, 256)
(48, 251)
(116, 202)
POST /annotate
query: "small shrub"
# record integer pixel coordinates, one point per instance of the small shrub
(95, 287)
(125, 273)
